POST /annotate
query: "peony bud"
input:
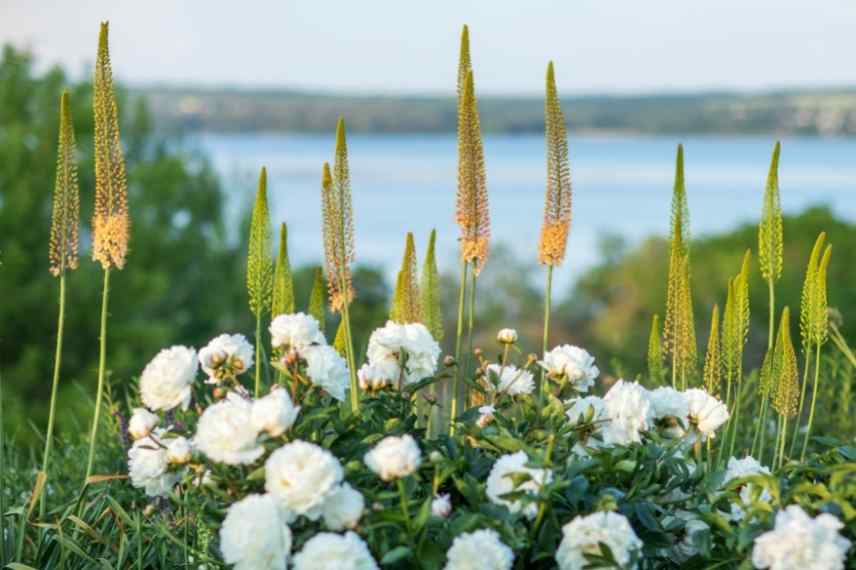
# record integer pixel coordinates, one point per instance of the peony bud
(441, 506)
(507, 336)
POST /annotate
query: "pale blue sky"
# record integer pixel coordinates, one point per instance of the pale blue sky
(405, 46)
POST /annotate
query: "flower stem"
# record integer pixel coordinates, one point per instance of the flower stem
(52, 410)
(102, 364)
(258, 354)
(402, 495)
(352, 361)
(813, 401)
(453, 411)
(802, 398)
(738, 404)
(471, 309)
(548, 290)
(772, 313)
(762, 432)
(775, 462)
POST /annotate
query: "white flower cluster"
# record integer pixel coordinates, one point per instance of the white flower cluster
(571, 364)
(394, 457)
(799, 542)
(501, 482)
(394, 344)
(301, 335)
(585, 534)
(629, 410)
(479, 550)
(301, 479)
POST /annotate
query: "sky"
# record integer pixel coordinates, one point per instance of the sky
(399, 46)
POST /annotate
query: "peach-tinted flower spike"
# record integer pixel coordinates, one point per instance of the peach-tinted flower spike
(557, 200)
(110, 222)
(472, 213)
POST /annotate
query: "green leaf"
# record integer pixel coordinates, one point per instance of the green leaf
(396, 555)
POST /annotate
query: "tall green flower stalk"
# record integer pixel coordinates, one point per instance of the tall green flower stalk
(260, 269)
(807, 316)
(429, 289)
(679, 328)
(655, 352)
(406, 302)
(785, 379)
(432, 316)
(557, 202)
(338, 222)
(282, 301)
(110, 220)
(471, 213)
(770, 237)
(713, 356)
(819, 332)
(735, 330)
(63, 250)
(316, 307)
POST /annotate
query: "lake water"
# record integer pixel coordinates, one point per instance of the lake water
(621, 185)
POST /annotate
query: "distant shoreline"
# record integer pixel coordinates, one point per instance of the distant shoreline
(822, 111)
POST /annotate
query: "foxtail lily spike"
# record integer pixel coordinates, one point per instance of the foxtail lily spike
(406, 300)
(260, 268)
(770, 236)
(429, 288)
(282, 302)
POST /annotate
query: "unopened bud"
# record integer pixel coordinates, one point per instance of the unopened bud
(507, 336)
(449, 361)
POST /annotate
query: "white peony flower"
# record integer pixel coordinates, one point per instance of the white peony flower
(506, 336)
(166, 380)
(142, 423)
(510, 380)
(706, 413)
(500, 482)
(671, 409)
(629, 411)
(225, 432)
(301, 475)
(572, 363)
(178, 450)
(394, 457)
(422, 351)
(588, 409)
(297, 332)
(379, 375)
(479, 550)
(255, 535)
(148, 467)
(746, 467)
(799, 542)
(485, 415)
(343, 508)
(327, 370)
(274, 413)
(584, 535)
(227, 355)
(328, 551)
(441, 506)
